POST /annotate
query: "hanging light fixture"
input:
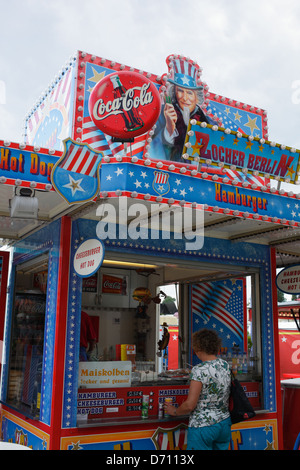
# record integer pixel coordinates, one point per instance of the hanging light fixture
(24, 204)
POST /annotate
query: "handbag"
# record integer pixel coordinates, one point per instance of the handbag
(240, 408)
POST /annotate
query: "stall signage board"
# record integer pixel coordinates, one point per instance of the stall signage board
(152, 144)
(234, 150)
(288, 280)
(104, 374)
(25, 163)
(88, 257)
(216, 195)
(124, 105)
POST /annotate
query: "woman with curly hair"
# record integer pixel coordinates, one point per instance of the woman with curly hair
(208, 399)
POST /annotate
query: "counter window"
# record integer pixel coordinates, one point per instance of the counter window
(27, 337)
(136, 337)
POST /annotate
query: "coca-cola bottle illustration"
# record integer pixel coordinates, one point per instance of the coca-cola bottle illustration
(132, 121)
(124, 286)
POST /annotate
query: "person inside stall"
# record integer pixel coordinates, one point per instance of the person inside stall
(87, 337)
(208, 398)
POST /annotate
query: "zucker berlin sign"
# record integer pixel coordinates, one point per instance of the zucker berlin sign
(234, 150)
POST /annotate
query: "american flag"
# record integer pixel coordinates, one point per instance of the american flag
(200, 297)
(220, 304)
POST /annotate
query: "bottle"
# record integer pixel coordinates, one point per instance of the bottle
(132, 121)
(124, 286)
(245, 364)
(168, 400)
(145, 406)
(234, 364)
(229, 360)
(239, 364)
(160, 410)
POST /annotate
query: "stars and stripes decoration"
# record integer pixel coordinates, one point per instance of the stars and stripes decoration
(220, 305)
(76, 174)
(49, 123)
(171, 439)
(236, 119)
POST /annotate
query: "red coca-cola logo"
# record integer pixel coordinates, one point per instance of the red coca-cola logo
(124, 105)
(112, 285)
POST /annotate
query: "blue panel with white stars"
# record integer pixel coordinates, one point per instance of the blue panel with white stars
(142, 180)
(73, 335)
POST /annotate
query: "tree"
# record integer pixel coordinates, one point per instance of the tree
(280, 296)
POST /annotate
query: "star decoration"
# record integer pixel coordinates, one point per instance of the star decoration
(237, 116)
(74, 185)
(197, 148)
(252, 124)
(270, 446)
(185, 80)
(290, 171)
(249, 145)
(97, 76)
(267, 429)
(76, 446)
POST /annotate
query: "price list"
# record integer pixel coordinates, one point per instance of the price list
(126, 402)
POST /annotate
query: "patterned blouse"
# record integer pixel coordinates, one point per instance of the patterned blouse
(212, 406)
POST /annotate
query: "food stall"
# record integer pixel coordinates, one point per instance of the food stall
(105, 213)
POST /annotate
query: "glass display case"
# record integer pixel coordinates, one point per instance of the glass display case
(27, 348)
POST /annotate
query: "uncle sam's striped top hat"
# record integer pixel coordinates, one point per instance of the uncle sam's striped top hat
(183, 72)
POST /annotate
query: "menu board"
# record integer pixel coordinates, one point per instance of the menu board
(126, 402)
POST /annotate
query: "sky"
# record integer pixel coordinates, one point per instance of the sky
(248, 50)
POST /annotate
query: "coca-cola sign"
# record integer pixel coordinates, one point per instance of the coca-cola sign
(124, 105)
(114, 284)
